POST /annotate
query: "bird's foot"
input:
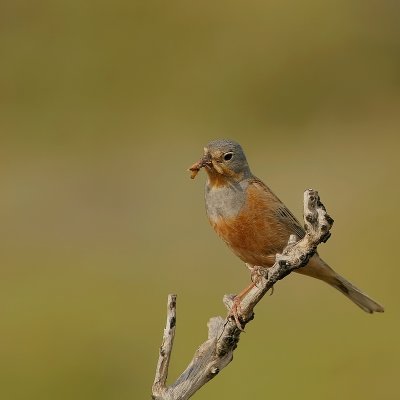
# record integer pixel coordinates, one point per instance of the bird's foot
(234, 312)
(257, 273)
(236, 308)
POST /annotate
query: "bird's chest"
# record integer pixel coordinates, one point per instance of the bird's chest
(243, 221)
(224, 202)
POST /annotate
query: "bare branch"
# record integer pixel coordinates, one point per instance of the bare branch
(223, 334)
(159, 385)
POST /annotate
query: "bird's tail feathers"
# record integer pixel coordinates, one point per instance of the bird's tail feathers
(319, 269)
(355, 295)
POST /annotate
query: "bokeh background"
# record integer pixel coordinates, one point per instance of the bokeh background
(103, 106)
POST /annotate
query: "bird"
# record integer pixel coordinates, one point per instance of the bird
(255, 223)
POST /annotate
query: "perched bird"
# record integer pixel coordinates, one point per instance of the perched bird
(254, 223)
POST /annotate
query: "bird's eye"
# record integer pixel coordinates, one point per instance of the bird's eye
(228, 156)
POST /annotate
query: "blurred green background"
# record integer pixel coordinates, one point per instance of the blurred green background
(103, 107)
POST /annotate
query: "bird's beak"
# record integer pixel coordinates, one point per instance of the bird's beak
(205, 161)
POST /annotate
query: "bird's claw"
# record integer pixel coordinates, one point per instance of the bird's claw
(257, 273)
(234, 312)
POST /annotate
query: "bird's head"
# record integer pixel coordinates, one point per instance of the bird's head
(223, 159)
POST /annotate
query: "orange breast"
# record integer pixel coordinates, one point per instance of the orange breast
(255, 234)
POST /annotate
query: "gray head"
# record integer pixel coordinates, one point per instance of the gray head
(224, 157)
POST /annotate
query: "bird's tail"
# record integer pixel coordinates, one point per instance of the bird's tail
(317, 268)
(355, 295)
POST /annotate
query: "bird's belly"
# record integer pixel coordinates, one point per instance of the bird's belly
(252, 238)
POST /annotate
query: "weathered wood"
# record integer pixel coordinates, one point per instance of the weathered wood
(223, 334)
(166, 346)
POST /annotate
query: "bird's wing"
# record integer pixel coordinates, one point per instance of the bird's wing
(290, 220)
(283, 214)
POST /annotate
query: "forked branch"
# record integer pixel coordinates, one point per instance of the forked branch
(223, 334)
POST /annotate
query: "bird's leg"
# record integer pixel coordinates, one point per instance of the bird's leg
(235, 309)
(256, 274)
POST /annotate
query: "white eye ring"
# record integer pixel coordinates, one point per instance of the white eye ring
(228, 156)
